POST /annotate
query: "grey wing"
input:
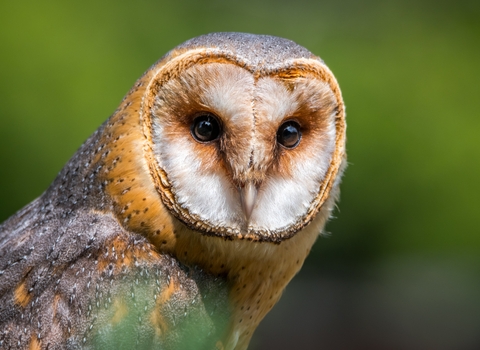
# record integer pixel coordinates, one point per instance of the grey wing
(80, 281)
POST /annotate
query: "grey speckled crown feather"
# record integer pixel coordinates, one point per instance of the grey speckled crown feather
(257, 49)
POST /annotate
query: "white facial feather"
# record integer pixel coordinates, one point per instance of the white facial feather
(208, 194)
(282, 200)
(232, 94)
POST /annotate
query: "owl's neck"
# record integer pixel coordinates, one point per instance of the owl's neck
(257, 273)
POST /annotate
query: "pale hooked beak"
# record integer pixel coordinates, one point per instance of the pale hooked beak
(248, 195)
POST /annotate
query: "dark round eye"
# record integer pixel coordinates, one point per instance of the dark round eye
(288, 134)
(205, 128)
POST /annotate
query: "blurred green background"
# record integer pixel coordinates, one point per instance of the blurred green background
(401, 267)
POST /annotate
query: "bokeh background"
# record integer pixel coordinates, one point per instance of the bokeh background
(400, 268)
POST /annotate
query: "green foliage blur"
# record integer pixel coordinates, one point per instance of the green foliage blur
(403, 256)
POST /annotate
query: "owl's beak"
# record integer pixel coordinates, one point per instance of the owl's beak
(248, 195)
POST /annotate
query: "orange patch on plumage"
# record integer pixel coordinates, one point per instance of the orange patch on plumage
(167, 293)
(126, 255)
(102, 264)
(21, 295)
(123, 251)
(56, 299)
(120, 253)
(121, 310)
(34, 343)
(156, 317)
(158, 322)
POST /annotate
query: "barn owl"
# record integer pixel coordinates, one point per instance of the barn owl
(180, 221)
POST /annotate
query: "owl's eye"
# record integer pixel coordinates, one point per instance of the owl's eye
(205, 128)
(288, 134)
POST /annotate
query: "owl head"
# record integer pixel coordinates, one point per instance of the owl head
(247, 134)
